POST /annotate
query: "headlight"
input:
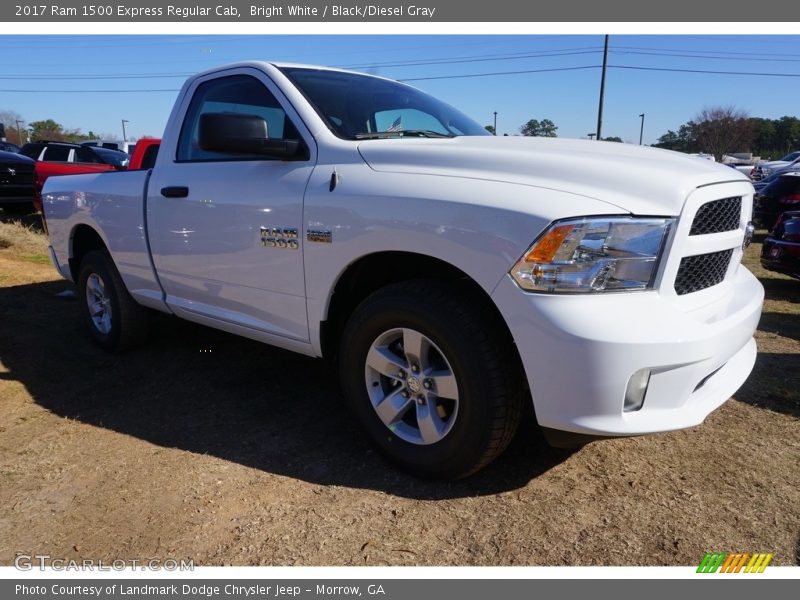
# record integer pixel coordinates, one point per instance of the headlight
(599, 254)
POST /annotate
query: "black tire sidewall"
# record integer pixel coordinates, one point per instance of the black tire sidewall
(98, 262)
(455, 455)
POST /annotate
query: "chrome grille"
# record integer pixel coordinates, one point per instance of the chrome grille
(702, 271)
(717, 216)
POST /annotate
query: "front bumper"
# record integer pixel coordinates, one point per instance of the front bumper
(579, 353)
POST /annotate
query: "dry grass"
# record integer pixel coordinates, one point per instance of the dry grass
(243, 455)
(23, 240)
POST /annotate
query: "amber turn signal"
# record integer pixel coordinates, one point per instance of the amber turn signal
(545, 249)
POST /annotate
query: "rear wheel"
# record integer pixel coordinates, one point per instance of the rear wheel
(429, 378)
(114, 319)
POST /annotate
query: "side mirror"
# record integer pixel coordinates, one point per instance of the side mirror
(242, 134)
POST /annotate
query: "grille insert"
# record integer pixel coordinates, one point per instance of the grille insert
(717, 216)
(22, 174)
(702, 271)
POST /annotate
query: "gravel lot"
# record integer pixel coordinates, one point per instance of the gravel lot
(208, 447)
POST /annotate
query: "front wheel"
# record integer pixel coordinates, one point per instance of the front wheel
(430, 379)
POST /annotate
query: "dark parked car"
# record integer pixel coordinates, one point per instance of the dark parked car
(65, 152)
(781, 249)
(760, 185)
(8, 147)
(781, 195)
(764, 169)
(16, 182)
(62, 158)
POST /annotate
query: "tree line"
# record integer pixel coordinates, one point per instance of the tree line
(543, 128)
(46, 129)
(721, 130)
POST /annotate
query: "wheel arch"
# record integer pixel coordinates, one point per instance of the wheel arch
(83, 239)
(376, 270)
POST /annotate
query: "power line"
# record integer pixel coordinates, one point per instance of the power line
(423, 62)
(155, 41)
(93, 77)
(12, 42)
(630, 67)
(463, 76)
(115, 91)
(704, 71)
(704, 57)
(454, 60)
(705, 51)
(499, 73)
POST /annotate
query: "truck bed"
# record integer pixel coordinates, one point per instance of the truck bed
(113, 204)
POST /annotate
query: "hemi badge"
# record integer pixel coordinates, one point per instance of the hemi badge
(319, 235)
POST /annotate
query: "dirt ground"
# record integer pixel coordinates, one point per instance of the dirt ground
(209, 447)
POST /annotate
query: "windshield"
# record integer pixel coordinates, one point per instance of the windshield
(113, 157)
(362, 107)
(792, 156)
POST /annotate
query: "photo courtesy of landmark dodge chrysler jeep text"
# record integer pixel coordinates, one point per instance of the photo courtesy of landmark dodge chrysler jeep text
(451, 275)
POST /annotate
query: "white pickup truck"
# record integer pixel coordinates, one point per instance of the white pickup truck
(451, 275)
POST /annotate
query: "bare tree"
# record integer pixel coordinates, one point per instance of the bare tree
(9, 118)
(721, 130)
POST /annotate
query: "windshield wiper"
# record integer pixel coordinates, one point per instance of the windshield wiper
(426, 133)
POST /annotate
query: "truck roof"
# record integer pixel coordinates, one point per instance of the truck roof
(260, 64)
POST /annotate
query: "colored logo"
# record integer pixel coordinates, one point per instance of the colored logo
(734, 563)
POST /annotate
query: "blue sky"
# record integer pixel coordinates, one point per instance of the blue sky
(44, 67)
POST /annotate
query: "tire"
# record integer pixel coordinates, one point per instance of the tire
(114, 319)
(464, 396)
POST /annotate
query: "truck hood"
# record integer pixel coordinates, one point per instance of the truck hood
(636, 179)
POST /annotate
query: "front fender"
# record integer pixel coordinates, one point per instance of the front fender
(480, 227)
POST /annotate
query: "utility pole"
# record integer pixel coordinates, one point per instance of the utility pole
(641, 129)
(495, 122)
(602, 92)
(19, 131)
(124, 137)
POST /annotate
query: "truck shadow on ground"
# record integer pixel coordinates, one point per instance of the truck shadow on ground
(208, 392)
(775, 381)
(786, 290)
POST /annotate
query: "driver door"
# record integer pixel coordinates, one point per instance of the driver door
(207, 212)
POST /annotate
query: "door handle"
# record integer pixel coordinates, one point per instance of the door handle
(175, 191)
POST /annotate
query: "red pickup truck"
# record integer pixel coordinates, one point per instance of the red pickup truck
(55, 158)
(144, 155)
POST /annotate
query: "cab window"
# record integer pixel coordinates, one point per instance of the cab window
(56, 153)
(240, 94)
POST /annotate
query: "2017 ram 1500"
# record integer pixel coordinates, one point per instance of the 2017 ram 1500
(452, 275)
